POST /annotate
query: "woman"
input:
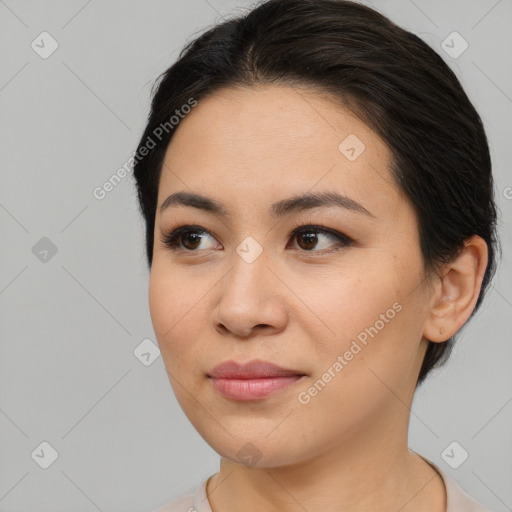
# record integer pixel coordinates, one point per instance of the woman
(320, 223)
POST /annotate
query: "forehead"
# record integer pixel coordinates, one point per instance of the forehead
(261, 141)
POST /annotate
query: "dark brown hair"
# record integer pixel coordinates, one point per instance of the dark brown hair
(386, 75)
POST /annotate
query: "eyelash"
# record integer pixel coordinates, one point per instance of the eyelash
(171, 239)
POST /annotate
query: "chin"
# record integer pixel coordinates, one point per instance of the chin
(254, 447)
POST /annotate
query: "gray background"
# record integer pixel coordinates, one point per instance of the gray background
(70, 321)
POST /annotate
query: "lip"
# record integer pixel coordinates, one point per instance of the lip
(253, 380)
(255, 369)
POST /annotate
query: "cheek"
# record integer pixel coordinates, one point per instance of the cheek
(362, 375)
(177, 308)
(355, 300)
(168, 299)
(162, 301)
(171, 305)
(377, 321)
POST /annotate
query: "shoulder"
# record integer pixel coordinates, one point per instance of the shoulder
(457, 500)
(184, 503)
(193, 502)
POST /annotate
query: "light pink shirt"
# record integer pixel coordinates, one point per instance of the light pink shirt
(457, 499)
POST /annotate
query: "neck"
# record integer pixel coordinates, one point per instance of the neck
(374, 471)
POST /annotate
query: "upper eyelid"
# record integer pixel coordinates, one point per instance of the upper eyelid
(300, 227)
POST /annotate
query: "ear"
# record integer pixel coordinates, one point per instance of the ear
(456, 291)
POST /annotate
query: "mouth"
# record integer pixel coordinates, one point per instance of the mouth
(254, 380)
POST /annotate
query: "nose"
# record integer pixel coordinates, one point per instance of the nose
(251, 301)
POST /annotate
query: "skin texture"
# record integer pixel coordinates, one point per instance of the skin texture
(300, 305)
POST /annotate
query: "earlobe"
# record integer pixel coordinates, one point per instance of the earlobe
(456, 291)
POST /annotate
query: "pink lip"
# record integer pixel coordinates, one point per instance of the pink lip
(251, 381)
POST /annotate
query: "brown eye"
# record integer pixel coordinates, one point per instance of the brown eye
(310, 237)
(191, 240)
(307, 241)
(187, 238)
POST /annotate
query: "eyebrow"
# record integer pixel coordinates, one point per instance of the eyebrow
(279, 209)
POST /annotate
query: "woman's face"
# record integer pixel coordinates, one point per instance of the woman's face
(346, 313)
